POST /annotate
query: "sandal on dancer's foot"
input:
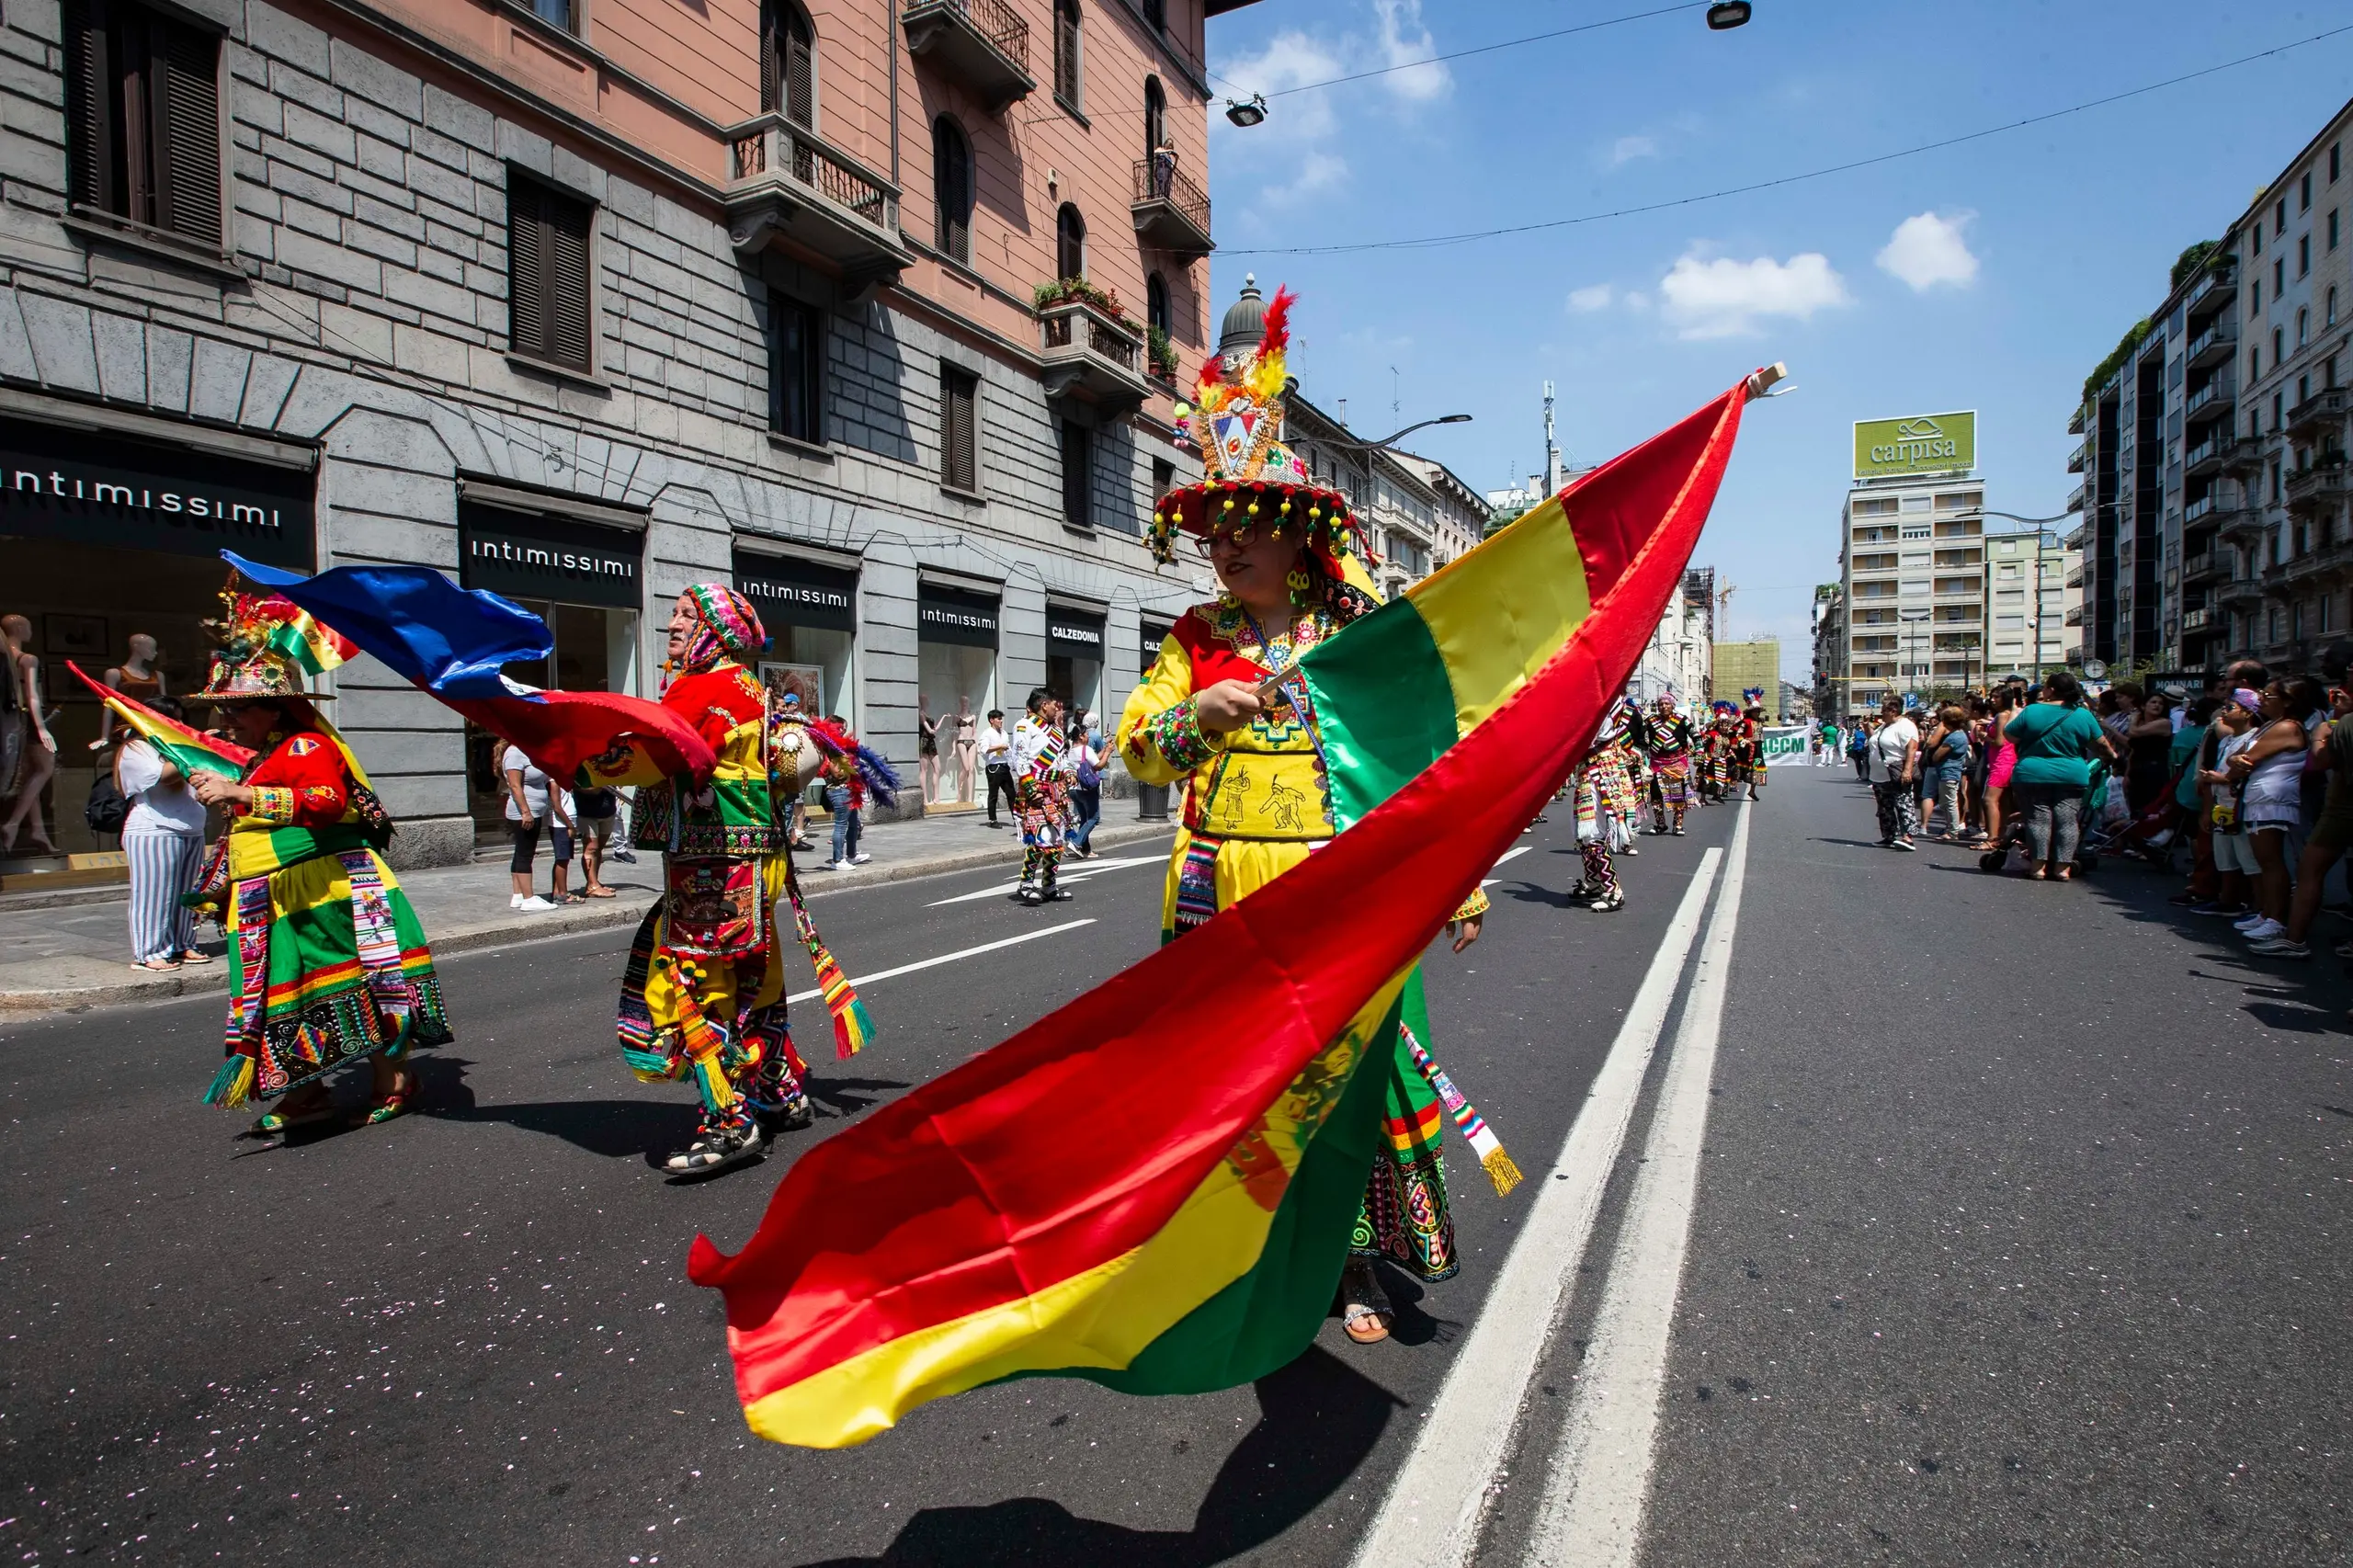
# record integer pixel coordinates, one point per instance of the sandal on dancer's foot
(299, 1110)
(397, 1101)
(716, 1149)
(1364, 1307)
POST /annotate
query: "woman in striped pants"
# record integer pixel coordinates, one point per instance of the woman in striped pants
(162, 842)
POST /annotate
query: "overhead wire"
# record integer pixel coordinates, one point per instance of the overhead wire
(1430, 242)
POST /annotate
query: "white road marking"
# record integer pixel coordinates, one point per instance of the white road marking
(951, 957)
(1512, 854)
(1091, 869)
(1591, 1515)
(1433, 1513)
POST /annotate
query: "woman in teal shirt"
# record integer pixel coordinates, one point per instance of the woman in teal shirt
(2057, 739)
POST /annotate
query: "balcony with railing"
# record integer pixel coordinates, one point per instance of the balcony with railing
(2206, 457)
(2330, 561)
(2216, 289)
(2075, 459)
(2327, 406)
(2076, 575)
(2317, 488)
(981, 44)
(2075, 616)
(2212, 400)
(2075, 423)
(1171, 211)
(1093, 355)
(2200, 567)
(2196, 621)
(2214, 345)
(787, 182)
(2076, 499)
(2241, 454)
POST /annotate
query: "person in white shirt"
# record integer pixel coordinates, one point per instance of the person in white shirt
(997, 757)
(529, 801)
(163, 844)
(1042, 768)
(1895, 764)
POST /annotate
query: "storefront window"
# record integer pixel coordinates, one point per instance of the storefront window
(811, 615)
(585, 581)
(112, 543)
(1074, 658)
(955, 637)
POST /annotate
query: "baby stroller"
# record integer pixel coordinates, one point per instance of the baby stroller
(2152, 835)
(2089, 847)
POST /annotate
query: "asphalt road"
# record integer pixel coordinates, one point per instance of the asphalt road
(2012, 1243)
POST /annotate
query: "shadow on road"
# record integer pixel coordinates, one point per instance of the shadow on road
(847, 1097)
(1318, 1421)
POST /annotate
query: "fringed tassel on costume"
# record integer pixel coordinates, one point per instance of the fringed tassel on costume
(1484, 1142)
(852, 1029)
(705, 1043)
(233, 1085)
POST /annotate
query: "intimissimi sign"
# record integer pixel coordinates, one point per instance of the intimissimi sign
(119, 493)
(544, 556)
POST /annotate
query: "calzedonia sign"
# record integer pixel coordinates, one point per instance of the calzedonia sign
(118, 492)
(1925, 443)
(1074, 634)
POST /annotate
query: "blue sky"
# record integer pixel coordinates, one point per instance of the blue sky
(1991, 276)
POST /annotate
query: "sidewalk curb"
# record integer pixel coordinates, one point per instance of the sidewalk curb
(214, 977)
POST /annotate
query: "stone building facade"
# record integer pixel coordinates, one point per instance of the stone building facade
(586, 302)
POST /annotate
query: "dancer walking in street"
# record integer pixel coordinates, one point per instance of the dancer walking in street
(1669, 741)
(1041, 778)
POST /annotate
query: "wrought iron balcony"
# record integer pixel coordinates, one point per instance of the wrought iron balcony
(2325, 407)
(1093, 355)
(1171, 213)
(787, 183)
(2236, 522)
(984, 44)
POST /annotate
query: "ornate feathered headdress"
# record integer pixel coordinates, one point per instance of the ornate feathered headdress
(1249, 475)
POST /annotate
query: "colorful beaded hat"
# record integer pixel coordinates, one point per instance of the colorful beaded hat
(263, 639)
(1249, 475)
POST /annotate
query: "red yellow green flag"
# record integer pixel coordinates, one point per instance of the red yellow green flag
(1153, 1186)
(190, 750)
(309, 641)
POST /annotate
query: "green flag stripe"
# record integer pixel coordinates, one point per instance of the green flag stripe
(1384, 705)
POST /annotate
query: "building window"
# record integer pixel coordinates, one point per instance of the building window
(2332, 161)
(2332, 228)
(2303, 255)
(796, 369)
(2279, 346)
(2279, 276)
(2280, 214)
(2304, 192)
(1155, 117)
(2257, 232)
(1070, 243)
(2304, 326)
(788, 63)
(960, 429)
(558, 12)
(1155, 13)
(1066, 56)
(2255, 298)
(2332, 304)
(951, 185)
(2254, 365)
(2278, 424)
(550, 297)
(1164, 477)
(142, 109)
(1078, 475)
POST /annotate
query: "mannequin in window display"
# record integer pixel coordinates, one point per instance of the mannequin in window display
(28, 751)
(136, 677)
(968, 747)
(927, 742)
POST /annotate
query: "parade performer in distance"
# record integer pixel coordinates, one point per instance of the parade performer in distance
(327, 962)
(1669, 742)
(1289, 558)
(1042, 769)
(1608, 807)
(703, 993)
(1752, 735)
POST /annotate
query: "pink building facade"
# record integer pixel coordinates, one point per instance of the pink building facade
(876, 309)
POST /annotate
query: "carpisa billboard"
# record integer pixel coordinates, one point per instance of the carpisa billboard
(1926, 443)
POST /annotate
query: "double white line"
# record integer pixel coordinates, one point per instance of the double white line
(1591, 1512)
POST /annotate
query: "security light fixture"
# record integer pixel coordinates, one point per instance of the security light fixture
(1726, 14)
(1249, 111)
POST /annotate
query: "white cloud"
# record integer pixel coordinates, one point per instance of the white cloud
(1318, 171)
(1634, 301)
(1926, 250)
(1289, 60)
(1404, 39)
(1595, 298)
(1724, 298)
(1626, 149)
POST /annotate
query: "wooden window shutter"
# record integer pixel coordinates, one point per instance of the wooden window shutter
(951, 178)
(90, 129)
(571, 281)
(800, 73)
(527, 293)
(771, 59)
(186, 101)
(1066, 52)
(959, 429)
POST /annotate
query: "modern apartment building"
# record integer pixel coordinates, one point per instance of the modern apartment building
(1912, 564)
(1753, 665)
(2214, 496)
(2032, 583)
(1829, 648)
(877, 311)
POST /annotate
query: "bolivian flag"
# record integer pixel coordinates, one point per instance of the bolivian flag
(185, 747)
(309, 641)
(1153, 1186)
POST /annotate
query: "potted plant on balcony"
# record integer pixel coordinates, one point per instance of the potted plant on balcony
(1078, 290)
(1162, 354)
